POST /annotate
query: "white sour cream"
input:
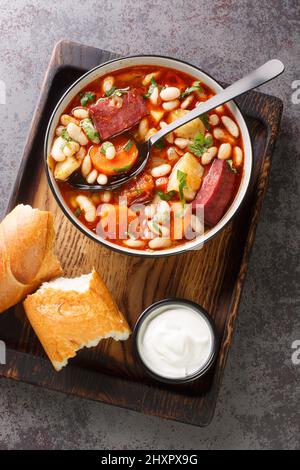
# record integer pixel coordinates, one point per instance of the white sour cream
(175, 341)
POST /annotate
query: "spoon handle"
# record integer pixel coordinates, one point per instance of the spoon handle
(261, 75)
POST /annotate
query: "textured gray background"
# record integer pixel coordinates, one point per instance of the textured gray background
(258, 405)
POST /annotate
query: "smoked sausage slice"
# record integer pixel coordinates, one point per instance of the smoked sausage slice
(216, 191)
(117, 114)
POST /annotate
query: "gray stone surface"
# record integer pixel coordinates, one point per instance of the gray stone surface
(258, 405)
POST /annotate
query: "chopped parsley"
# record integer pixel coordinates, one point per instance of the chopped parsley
(181, 178)
(231, 166)
(128, 145)
(166, 196)
(88, 127)
(77, 212)
(189, 90)
(200, 144)
(160, 144)
(205, 119)
(153, 85)
(87, 97)
(156, 226)
(65, 135)
(104, 147)
(116, 91)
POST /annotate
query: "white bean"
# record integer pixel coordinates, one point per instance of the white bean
(237, 156)
(102, 179)
(231, 126)
(213, 119)
(170, 105)
(143, 127)
(108, 83)
(91, 178)
(161, 170)
(147, 79)
(71, 148)
(208, 135)
(154, 96)
(110, 152)
(181, 143)
(106, 196)
(186, 103)
(163, 213)
(172, 154)
(209, 155)
(134, 243)
(86, 166)
(87, 207)
(170, 93)
(224, 151)
(77, 134)
(66, 119)
(158, 243)
(57, 149)
(196, 224)
(59, 130)
(221, 134)
(80, 113)
(158, 229)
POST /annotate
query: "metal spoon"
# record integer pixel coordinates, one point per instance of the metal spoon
(261, 75)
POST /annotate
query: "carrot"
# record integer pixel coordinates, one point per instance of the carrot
(126, 155)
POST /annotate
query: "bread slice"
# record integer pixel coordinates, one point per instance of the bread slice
(26, 253)
(69, 314)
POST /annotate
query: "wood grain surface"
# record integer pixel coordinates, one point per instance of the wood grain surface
(212, 276)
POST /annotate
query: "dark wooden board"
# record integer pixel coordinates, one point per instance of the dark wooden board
(213, 276)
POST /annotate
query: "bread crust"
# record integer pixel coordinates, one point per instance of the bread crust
(26, 253)
(66, 321)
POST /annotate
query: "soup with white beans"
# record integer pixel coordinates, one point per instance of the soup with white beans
(192, 175)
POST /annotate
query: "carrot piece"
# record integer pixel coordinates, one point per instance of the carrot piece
(126, 155)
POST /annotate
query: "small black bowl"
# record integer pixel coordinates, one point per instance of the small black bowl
(180, 302)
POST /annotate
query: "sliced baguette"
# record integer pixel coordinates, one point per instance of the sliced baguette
(69, 314)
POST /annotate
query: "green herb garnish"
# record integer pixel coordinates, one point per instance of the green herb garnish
(156, 226)
(87, 97)
(116, 91)
(110, 92)
(205, 119)
(181, 178)
(166, 196)
(104, 147)
(65, 135)
(160, 144)
(88, 127)
(200, 145)
(231, 166)
(124, 168)
(128, 145)
(77, 212)
(153, 85)
(189, 90)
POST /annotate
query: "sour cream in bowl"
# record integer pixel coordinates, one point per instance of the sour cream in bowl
(175, 341)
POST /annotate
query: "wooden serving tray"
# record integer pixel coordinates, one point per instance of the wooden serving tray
(213, 276)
